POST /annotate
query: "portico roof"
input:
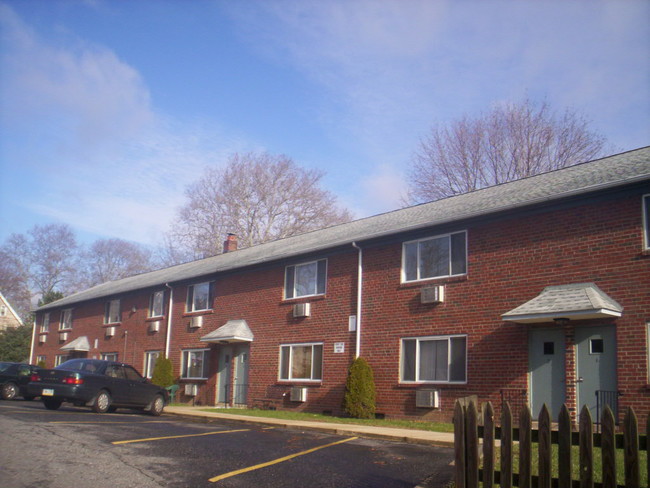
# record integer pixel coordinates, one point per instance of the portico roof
(231, 331)
(79, 344)
(579, 301)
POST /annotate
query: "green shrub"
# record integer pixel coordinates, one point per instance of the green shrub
(360, 391)
(162, 372)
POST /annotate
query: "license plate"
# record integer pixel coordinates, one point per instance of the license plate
(48, 392)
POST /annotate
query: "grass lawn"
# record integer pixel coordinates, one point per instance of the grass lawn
(315, 417)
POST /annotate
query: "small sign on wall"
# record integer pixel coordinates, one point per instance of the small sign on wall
(339, 347)
(352, 323)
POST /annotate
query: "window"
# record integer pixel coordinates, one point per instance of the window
(109, 356)
(40, 360)
(3, 311)
(60, 359)
(305, 279)
(199, 297)
(646, 221)
(156, 304)
(434, 257)
(149, 362)
(434, 359)
(301, 362)
(66, 319)
(195, 364)
(112, 313)
(45, 323)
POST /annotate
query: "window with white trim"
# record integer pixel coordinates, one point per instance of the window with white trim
(305, 279)
(195, 364)
(157, 304)
(109, 356)
(45, 322)
(434, 257)
(150, 358)
(301, 362)
(646, 222)
(112, 312)
(66, 319)
(199, 297)
(40, 360)
(60, 359)
(438, 359)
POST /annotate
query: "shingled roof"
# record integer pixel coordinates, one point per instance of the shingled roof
(602, 174)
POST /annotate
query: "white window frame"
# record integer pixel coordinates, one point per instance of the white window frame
(289, 376)
(150, 358)
(186, 356)
(419, 242)
(66, 319)
(60, 359)
(152, 304)
(645, 207)
(113, 312)
(291, 270)
(109, 356)
(419, 340)
(45, 323)
(40, 358)
(191, 302)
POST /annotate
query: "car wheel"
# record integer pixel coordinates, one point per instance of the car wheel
(102, 402)
(9, 391)
(157, 406)
(51, 404)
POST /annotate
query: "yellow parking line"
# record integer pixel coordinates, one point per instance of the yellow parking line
(276, 461)
(179, 436)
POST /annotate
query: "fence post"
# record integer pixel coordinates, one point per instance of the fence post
(471, 443)
(525, 448)
(631, 451)
(459, 445)
(544, 447)
(564, 447)
(586, 449)
(488, 445)
(608, 447)
(506, 446)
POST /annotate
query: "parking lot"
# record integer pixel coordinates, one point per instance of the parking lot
(74, 447)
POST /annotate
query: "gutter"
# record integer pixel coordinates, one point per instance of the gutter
(359, 296)
(169, 320)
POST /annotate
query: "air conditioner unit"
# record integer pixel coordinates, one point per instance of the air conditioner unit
(191, 389)
(427, 398)
(110, 331)
(154, 326)
(63, 336)
(42, 338)
(432, 294)
(302, 310)
(298, 394)
(196, 322)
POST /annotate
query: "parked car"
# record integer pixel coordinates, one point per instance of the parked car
(14, 378)
(102, 385)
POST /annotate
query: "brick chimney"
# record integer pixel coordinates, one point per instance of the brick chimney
(230, 244)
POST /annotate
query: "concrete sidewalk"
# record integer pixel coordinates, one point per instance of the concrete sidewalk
(443, 439)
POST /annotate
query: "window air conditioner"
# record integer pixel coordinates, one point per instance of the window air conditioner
(196, 322)
(63, 336)
(302, 310)
(154, 326)
(432, 294)
(42, 338)
(191, 389)
(427, 398)
(110, 331)
(299, 394)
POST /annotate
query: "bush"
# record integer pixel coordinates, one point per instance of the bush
(162, 372)
(360, 391)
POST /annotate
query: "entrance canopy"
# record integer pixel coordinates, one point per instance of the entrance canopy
(579, 301)
(79, 344)
(231, 331)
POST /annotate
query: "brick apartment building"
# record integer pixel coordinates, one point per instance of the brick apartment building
(536, 291)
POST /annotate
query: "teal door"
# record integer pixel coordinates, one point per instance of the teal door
(596, 368)
(224, 375)
(546, 365)
(241, 375)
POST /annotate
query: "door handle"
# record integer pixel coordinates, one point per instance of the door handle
(580, 379)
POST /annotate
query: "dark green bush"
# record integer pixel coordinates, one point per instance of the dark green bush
(360, 391)
(162, 372)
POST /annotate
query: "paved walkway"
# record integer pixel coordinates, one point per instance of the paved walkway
(444, 439)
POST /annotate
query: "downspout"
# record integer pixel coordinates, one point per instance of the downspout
(169, 320)
(359, 291)
(31, 347)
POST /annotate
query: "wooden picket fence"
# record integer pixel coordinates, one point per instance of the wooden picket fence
(467, 433)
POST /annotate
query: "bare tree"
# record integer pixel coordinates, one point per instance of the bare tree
(113, 259)
(52, 253)
(510, 142)
(14, 274)
(260, 198)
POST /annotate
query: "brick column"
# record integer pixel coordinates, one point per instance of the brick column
(570, 392)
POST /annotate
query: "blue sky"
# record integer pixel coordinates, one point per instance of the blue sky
(109, 109)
